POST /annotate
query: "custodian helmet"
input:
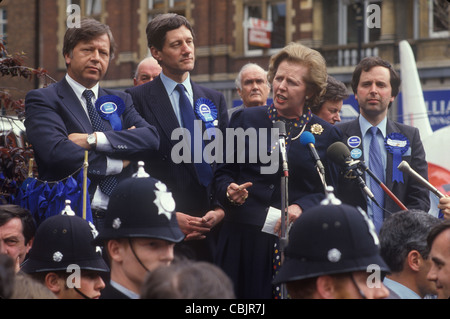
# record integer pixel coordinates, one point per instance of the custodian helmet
(64, 240)
(141, 206)
(330, 239)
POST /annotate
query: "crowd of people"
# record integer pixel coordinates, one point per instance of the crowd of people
(170, 224)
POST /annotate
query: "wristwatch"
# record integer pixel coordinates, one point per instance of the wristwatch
(92, 140)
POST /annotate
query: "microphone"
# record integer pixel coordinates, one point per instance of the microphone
(306, 138)
(339, 153)
(404, 167)
(282, 142)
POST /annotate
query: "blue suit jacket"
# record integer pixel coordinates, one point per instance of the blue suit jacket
(411, 193)
(305, 186)
(153, 103)
(54, 112)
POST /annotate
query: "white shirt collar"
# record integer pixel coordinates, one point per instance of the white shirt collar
(79, 89)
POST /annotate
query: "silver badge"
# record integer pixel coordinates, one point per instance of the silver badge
(116, 223)
(334, 255)
(164, 200)
(57, 256)
(93, 230)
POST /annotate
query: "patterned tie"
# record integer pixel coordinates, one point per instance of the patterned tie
(376, 166)
(204, 170)
(108, 183)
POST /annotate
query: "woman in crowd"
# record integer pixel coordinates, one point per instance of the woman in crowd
(247, 186)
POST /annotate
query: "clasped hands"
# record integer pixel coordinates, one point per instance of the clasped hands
(196, 228)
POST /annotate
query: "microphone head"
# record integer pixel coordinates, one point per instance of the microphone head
(281, 127)
(404, 167)
(306, 138)
(339, 153)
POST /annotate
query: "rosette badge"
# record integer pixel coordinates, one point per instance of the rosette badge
(207, 112)
(110, 108)
(397, 144)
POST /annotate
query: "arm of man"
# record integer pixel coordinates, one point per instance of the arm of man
(48, 124)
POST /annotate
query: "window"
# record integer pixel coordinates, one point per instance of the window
(93, 8)
(352, 15)
(439, 18)
(264, 26)
(156, 7)
(350, 21)
(3, 25)
(89, 8)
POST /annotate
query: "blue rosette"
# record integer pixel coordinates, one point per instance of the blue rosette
(110, 108)
(397, 144)
(207, 112)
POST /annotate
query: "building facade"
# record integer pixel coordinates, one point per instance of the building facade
(230, 33)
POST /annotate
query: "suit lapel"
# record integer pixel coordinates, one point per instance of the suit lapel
(159, 104)
(73, 105)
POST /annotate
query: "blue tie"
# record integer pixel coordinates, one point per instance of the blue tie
(108, 183)
(376, 166)
(204, 170)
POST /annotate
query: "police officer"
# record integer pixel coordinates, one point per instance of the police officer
(140, 233)
(64, 259)
(333, 253)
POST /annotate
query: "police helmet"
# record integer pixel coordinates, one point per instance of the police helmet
(64, 240)
(330, 239)
(140, 206)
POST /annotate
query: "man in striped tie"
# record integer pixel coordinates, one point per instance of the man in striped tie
(75, 114)
(382, 143)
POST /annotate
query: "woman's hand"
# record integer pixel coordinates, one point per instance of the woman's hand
(237, 194)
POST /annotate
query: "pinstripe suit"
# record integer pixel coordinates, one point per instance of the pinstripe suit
(152, 102)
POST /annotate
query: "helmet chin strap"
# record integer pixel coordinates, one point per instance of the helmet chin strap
(82, 294)
(135, 255)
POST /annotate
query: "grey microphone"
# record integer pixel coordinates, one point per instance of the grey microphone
(282, 142)
(404, 167)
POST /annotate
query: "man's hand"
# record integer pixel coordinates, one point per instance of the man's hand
(444, 206)
(80, 139)
(196, 228)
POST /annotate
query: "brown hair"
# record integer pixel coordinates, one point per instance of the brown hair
(186, 279)
(316, 79)
(10, 211)
(88, 30)
(368, 63)
(335, 91)
(158, 27)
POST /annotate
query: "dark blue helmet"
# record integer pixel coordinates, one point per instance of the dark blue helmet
(141, 206)
(64, 240)
(330, 239)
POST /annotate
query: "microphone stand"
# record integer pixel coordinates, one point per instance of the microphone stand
(322, 178)
(383, 187)
(284, 206)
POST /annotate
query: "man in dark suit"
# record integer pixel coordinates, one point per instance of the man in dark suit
(60, 127)
(376, 84)
(171, 42)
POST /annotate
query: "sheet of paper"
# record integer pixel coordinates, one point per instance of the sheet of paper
(273, 215)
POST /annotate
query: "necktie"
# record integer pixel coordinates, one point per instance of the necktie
(376, 166)
(204, 171)
(108, 183)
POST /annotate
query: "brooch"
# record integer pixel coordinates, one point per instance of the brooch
(316, 129)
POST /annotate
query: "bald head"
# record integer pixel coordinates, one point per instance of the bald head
(147, 70)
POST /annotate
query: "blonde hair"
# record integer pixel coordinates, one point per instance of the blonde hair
(316, 79)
